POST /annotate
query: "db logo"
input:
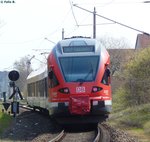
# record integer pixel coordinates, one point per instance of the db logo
(80, 89)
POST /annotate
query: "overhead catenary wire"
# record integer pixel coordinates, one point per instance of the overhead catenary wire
(114, 2)
(73, 13)
(60, 26)
(76, 27)
(119, 23)
(40, 61)
(96, 24)
(49, 40)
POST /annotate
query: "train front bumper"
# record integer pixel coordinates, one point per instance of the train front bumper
(92, 108)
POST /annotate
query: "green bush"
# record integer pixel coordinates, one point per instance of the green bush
(5, 121)
(147, 127)
(138, 80)
(136, 116)
(139, 66)
(119, 99)
(131, 102)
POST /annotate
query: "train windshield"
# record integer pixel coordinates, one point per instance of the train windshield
(79, 69)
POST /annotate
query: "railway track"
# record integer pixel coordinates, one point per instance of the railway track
(102, 135)
(58, 137)
(29, 128)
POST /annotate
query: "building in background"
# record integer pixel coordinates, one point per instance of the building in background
(142, 41)
(4, 83)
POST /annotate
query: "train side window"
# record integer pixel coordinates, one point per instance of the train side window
(106, 77)
(29, 90)
(37, 89)
(34, 89)
(45, 86)
(53, 79)
(40, 88)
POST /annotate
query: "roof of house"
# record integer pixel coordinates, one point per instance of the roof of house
(142, 41)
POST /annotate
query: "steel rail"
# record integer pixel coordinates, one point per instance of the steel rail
(104, 134)
(25, 107)
(58, 137)
(97, 136)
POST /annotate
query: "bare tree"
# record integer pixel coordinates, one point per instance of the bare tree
(24, 70)
(119, 50)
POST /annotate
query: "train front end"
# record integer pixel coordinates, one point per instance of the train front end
(79, 78)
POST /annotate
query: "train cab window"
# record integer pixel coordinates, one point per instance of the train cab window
(53, 79)
(79, 69)
(106, 77)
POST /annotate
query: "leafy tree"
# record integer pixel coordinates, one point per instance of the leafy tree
(136, 88)
(138, 79)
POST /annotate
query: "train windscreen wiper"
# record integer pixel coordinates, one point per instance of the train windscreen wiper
(81, 81)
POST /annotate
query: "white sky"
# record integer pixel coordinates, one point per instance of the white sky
(25, 24)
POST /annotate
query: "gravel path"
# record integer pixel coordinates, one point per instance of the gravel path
(118, 135)
(28, 126)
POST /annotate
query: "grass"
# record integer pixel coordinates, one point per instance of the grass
(5, 120)
(135, 120)
(139, 133)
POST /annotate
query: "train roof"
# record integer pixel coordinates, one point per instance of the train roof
(82, 40)
(37, 75)
(79, 46)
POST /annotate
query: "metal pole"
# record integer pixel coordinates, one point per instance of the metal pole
(4, 96)
(29, 64)
(94, 23)
(63, 33)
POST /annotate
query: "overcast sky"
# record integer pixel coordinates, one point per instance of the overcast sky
(24, 24)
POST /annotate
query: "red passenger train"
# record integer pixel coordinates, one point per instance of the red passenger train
(76, 81)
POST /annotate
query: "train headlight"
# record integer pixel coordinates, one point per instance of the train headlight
(64, 90)
(96, 89)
